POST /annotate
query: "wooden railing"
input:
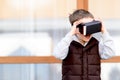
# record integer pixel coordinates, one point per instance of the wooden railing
(43, 59)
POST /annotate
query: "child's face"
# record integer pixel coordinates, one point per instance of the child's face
(84, 20)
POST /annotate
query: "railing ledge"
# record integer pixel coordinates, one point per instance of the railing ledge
(43, 59)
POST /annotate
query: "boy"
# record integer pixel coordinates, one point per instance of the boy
(81, 54)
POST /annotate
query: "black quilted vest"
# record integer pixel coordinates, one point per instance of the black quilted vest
(82, 63)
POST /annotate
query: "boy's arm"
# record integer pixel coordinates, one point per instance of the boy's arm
(61, 50)
(106, 46)
(106, 43)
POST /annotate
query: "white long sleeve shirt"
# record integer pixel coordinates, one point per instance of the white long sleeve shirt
(106, 45)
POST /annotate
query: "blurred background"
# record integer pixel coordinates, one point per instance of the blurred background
(34, 27)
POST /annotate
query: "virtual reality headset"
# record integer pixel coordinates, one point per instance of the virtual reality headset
(90, 27)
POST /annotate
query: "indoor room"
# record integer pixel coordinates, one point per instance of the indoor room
(31, 29)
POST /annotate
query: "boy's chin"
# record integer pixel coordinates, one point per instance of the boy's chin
(86, 38)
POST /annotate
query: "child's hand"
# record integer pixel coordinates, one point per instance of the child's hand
(74, 29)
(103, 29)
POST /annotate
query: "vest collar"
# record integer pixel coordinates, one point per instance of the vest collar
(80, 41)
(87, 45)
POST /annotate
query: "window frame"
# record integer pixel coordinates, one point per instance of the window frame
(81, 4)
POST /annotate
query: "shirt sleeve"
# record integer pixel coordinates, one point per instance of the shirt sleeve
(61, 50)
(106, 46)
